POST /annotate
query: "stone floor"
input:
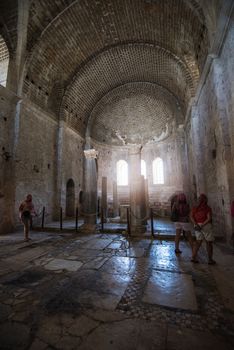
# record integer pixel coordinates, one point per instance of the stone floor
(106, 291)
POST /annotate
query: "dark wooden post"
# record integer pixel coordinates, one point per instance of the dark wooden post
(152, 221)
(128, 223)
(61, 218)
(76, 219)
(43, 218)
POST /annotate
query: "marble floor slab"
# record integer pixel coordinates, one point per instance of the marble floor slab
(170, 289)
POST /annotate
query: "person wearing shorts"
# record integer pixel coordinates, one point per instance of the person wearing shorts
(26, 210)
(201, 218)
(181, 207)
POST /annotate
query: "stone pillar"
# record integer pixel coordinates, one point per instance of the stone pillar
(182, 160)
(143, 201)
(104, 198)
(137, 200)
(58, 190)
(198, 160)
(8, 159)
(11, 100)
(146, 197)
(90, 189)
(115, 200)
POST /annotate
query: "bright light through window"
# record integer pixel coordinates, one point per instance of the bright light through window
(143, 168)
(158, 172)
(122, 173)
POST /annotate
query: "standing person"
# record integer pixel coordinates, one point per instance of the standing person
(26, 211)
(201, 216)
(182, 224)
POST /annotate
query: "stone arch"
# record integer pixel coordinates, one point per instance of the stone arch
(70, 198)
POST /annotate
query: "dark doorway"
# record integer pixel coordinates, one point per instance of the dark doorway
(70, 198)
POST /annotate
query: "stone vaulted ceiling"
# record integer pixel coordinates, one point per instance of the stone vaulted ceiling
(90, 59)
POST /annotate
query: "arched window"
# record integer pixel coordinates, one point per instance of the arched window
(143, 168)
(158, 172)
(4, 60)
(122, 173)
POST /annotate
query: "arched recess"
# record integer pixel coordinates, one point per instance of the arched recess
(70, 198)
(4, 61)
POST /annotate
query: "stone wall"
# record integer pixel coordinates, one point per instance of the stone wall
(8, 102)
(210, 137)
(172, 153)
(37, 167)
(72, 167)
(36, 150)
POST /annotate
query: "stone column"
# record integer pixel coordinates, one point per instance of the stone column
(58, 190)
(198, 159)
(146, 197)
(137, 200)
(182, 160)
(115, 200)
(143, 201)
(11, 101)
(90, 189)
(104, 198)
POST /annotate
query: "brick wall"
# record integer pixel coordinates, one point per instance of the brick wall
(210, 138)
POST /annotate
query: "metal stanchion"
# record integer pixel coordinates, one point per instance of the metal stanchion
(43, 218)
(152, 221)
(61, 218)
(76, 219)
(128, 223)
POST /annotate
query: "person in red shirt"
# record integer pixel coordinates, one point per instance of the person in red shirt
(201, 216)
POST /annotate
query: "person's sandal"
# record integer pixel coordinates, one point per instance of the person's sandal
(177, 251)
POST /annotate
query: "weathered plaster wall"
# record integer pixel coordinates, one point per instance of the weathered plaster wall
(210, 138)
(36, 151)
(72, 167)
(8, 102)
(37, 167)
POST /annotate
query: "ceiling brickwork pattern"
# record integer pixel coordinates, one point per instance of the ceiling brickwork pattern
(4, 54)
(118, 66)
(133, 105)
(80, 51)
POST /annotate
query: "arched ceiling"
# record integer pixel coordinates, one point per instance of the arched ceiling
(121, 65)
(4, 54)
(79, 51)
(135, 104)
